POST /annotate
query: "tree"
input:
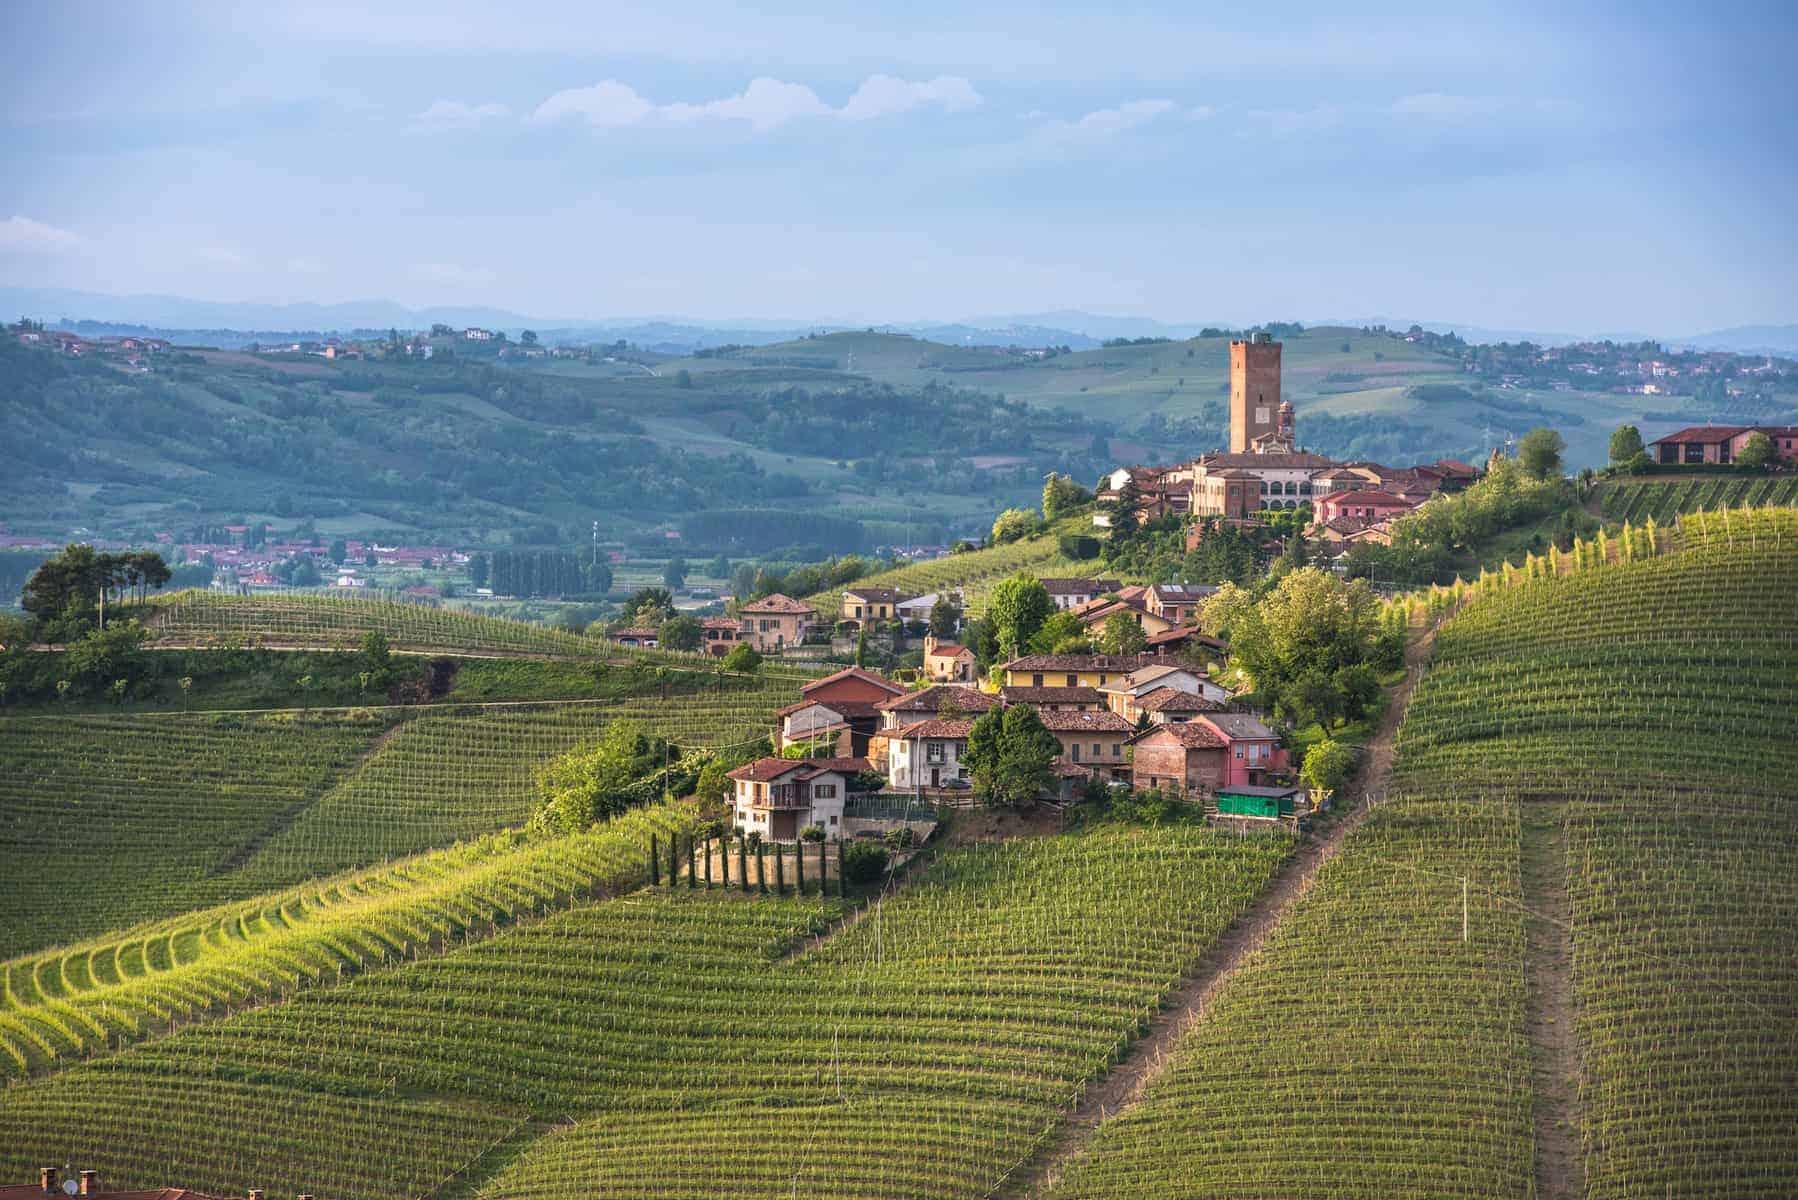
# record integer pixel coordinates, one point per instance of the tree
(945, 617)
(377, 659)
(339, 551)
(680, 633)
(528, 337)
(1626, 443)
(1017, 609)
(863, 862)
(1539, 452)
(742, 659)
(1012, 524)
(683, 378)
(719, 568)
(649, 606)
(477, 569)
(1061, 496)
(674, 575)
(1011, 757)
(1120, 634)
(1062, 633)
(1328, 764)
(1757, 451)
(369, 559)
(584, 785)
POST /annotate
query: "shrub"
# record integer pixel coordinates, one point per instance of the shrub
(812, 833)
(864, 862)
(1077, 546)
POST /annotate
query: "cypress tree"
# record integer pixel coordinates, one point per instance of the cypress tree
(799, 868)
(655, 862)
(780, 869)
(761, 870)
(673, 858)
(742, 865)
(692, 875)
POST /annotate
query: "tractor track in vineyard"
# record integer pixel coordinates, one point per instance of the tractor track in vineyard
(1122, 1088)
(1548, 975)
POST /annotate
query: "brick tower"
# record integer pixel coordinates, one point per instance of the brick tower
(1254, 390)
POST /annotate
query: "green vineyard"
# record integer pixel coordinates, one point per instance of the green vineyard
(1666, 499)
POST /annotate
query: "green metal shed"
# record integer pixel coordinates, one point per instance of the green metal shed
(1244, 800)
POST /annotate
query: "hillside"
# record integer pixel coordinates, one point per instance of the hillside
(1604, 762)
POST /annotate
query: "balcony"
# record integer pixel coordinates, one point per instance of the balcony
(785, 795)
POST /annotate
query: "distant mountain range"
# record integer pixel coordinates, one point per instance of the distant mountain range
(235, 322)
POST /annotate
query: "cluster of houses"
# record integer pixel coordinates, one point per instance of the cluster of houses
(132, 353)
(1132, 720)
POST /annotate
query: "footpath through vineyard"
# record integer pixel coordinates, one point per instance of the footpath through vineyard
(1122, 1088)
(1548, 968)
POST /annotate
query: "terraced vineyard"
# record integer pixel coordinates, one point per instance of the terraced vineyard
(975, 573)
(306, 620)
(107, 820)
(1665, 499)
(1641, 714)
(70, 1003)
(953, 1022)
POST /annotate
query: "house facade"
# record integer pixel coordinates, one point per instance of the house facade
(929, 702)
(928, 754)
(871, 604)
(779, 797)
(1092, 740)
(1186, 757)
(720, 635)
(1252, 750)
(1071, 670)
(948, 662)
(775, 622)
(1123, 695)
(1368, 505)
(1072, 593)
(1720, 444)
(1055, 699)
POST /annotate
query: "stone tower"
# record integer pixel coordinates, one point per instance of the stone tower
(1254, 390)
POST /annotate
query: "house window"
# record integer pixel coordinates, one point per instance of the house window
(833, 818)
(1117, 749)
(824, 791)
(1073, 681)
(1239, 752)
(1075, 747)
(933, 753)
(1036, 681)
(1097, 752)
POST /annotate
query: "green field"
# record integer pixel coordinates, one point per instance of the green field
(1665, 499)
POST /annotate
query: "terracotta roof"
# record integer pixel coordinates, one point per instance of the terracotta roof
(1378, 499)
(1051, 695)
(853, 673)
(1183, 591)
(935, 728)
(931, 699)
(1231, 473)
(844, 766)
(846, 708)
(950, 650)
(1184, 633)
(1169, 699)
(636, 631)
(721, 623)
(1238, 725)
(1067, 586)
(1191, 734)
(777, 603)
(1084, 722)
(877, 594)
(1079, 662)
(764, 770)
(1709, 434)
(1454, 466)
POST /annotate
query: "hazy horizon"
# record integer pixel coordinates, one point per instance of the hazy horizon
(1626, 168)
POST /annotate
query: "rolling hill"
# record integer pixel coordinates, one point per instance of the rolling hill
(1552, 959)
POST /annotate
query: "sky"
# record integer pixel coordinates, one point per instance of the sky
(1553, 166)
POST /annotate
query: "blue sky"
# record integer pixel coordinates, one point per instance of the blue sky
(1562, 166)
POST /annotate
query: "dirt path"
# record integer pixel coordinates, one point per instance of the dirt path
(1548, 975)
(1123, 1087)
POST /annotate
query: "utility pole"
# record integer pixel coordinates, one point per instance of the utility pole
(1463, 908)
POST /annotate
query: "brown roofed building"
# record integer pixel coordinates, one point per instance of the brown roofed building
(872, 603)
(779, 797)
(1179, 756)
(1071, 670)
(1072, 593)
(775, 622)
(928, 702)
(1094, 740)
(1055, 699)
(948, 662)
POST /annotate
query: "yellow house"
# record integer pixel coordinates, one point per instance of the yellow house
(1071, 670)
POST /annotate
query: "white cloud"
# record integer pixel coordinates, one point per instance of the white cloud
(22, 235)
(457, 114)
(1106, 121)
(765, 103)
(884, 95)
(606, 104)
(450, 274)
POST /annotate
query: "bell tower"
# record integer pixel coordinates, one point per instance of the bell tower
(1254, 390)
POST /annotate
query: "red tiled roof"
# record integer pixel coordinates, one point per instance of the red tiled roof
(721, 623)
(1080, 662)
(1168, 699)
(636, 631)
(1051, 695)
(1297, 460)
(1063, 721)
(843, 766)
(853, 673)
(777, 603)
(1454, 466)
(1192, 735)
(950, 650)
(1712, 434)
(1184, 633)
(933, 698)
(764, 770)
(935, 728)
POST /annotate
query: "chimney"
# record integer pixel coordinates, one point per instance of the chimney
(46, 1179)
(90, 1183)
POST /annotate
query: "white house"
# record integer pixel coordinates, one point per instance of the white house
(918, 608)
(779, 797)
(1123, 696)
(927, 754)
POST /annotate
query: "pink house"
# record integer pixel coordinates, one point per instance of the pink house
(1252, 751)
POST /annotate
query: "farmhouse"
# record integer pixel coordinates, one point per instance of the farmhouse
(1252, 750)
(640, 636)
(1182, 757)
(1122, 696)
(1170, 705)
(1720, 444)
(775, 622)
(720, 635)
(1094, 740)
(930, 702)
(1071, 670)
(871, 604)
(779, 797)
(928, 754)
(840, 706)
(948, 662)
